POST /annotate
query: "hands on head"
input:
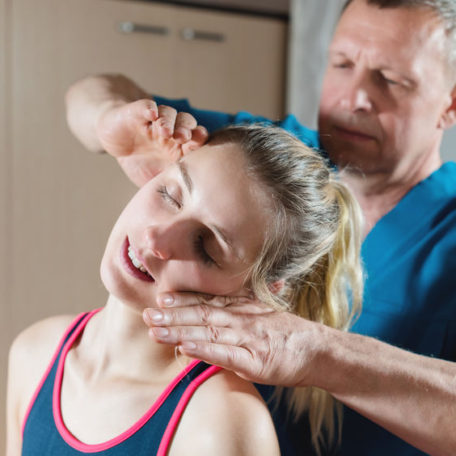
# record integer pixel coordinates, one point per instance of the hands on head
(144, 137)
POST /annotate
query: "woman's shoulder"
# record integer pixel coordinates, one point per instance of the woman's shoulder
(30, 354)
(226, 415)
(41, 338)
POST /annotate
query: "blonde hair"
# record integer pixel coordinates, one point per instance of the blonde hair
(313, 247)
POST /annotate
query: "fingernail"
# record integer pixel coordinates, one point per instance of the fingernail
(166, 300)
(154, 315)
(160, 332)
(188, 345)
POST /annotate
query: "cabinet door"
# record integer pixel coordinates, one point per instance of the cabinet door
(243, 71)
(65, 199)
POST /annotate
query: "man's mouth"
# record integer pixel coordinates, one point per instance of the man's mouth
(354, 134)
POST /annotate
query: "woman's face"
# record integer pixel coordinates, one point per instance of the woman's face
(197, 226)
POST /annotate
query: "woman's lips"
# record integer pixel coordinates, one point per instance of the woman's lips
(130, 267)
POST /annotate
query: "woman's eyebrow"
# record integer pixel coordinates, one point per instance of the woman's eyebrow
(185, 176)
(221, 234)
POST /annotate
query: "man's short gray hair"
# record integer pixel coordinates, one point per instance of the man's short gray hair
(444, 9)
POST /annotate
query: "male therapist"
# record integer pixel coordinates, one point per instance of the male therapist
(387, 97)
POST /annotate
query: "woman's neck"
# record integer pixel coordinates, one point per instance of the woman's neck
(115, 344)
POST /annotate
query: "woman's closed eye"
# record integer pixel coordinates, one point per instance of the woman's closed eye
(202, 252)
(198, 243)
(163, 191)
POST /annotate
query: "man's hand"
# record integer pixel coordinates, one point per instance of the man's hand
(145, 138)
(111, 112)
(239, 334)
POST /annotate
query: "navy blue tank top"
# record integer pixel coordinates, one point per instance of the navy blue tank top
(45, 434)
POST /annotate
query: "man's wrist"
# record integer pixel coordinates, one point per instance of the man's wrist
(322, 366)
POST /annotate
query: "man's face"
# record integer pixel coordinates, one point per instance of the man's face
(386, 89)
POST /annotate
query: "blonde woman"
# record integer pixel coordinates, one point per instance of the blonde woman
(254, 212)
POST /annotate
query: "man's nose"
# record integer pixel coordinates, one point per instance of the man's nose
(357, 97)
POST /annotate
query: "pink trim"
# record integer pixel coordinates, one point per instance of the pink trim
(46, 373)
(92, 448)
(183, 402)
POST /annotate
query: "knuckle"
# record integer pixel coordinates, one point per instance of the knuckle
(178, 334)
(203, 299)
(214, 334)
(205, 313)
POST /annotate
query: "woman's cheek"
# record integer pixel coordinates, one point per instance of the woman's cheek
(188, 276)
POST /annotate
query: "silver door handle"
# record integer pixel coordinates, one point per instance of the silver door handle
(190, 34)
(132, 27)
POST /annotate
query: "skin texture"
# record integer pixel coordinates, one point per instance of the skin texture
(170, 223)
(386, 121)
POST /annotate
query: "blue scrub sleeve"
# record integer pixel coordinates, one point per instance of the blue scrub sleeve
(213, 120)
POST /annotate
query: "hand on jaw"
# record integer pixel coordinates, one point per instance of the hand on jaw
(240, 334)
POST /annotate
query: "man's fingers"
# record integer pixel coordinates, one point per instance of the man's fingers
(164, 125)
(151, 111)
(229, 357)
(183, 127)
(141, 110)
(199, 137)
(194, 299)
(187, 316)
(178, 334)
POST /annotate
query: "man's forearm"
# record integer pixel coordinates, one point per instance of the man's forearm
(88, 98)
(412, 396)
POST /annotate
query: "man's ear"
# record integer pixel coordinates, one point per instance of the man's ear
(277, 286)
(448, 118)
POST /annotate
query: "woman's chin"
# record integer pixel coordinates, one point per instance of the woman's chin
(120, 288)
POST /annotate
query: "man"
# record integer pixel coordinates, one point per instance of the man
(387, 97)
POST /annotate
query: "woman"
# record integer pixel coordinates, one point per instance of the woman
(254, 211)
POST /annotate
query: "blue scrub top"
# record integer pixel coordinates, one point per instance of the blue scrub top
(410, 289)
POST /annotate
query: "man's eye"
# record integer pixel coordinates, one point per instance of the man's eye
(163, 191)
(342, 64)
(389, 80)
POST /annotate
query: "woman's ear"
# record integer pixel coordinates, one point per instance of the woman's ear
(277, 286)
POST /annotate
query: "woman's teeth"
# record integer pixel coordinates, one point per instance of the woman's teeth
(136, 263)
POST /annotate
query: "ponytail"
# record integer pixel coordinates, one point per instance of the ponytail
(331, 294)
(312, 247)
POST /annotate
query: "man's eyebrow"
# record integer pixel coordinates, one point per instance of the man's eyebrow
(185, 176)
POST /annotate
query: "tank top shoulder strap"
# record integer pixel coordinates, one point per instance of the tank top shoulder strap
(198, 373)
(75, 324)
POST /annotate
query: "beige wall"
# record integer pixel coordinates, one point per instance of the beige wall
(5, 328)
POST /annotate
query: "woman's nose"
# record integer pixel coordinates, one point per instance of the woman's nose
(159, 241)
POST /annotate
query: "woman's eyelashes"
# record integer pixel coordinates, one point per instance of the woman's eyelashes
(198, 243)
(201, 251)
(163, 191)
